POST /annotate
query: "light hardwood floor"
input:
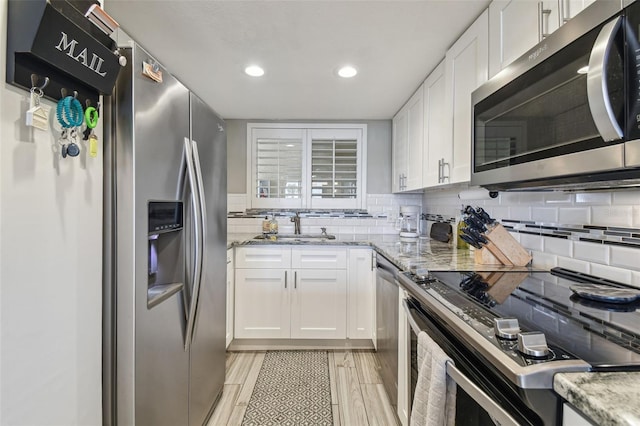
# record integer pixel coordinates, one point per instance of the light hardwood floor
(358, 397)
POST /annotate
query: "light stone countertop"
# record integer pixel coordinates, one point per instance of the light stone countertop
(419, 255)
(606, 398)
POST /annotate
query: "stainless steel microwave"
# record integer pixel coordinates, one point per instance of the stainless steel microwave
(566, 113)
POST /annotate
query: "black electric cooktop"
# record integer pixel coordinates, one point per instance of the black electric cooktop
(602, 331)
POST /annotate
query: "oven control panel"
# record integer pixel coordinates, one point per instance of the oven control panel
(525, 347)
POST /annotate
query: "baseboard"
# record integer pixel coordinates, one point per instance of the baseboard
(293, 344)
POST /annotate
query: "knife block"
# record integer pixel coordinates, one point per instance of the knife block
(501, 249)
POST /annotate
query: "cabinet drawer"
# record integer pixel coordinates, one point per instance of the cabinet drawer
(319, 258)
(263, 257)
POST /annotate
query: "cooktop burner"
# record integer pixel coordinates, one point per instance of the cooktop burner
(535, 318)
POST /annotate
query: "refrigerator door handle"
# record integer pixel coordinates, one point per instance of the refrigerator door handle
(203, 236)
(190, 306)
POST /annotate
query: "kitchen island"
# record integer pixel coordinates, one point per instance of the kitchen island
(605, 398)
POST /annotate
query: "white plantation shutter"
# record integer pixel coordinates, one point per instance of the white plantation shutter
(319, 167)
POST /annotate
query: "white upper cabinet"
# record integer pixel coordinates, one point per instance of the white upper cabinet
(570, 8)
(437, 148)
(408, 141)
(517, 25)
(466, 68)
(399, 146)
(415, 136)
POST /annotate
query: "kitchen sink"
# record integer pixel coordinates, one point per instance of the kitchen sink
(295, 237)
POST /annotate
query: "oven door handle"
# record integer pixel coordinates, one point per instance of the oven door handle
(597, 90)
(497, 413)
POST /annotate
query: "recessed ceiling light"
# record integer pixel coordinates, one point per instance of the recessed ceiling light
(347, 72)
(254, 71)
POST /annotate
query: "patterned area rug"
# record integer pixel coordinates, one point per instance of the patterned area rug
(292, 389)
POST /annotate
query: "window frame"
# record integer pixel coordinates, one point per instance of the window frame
(308, 130)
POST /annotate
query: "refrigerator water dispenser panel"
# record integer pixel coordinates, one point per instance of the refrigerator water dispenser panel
(166, 259)
(165, 216)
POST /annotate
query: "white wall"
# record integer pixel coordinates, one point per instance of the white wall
(50, 272)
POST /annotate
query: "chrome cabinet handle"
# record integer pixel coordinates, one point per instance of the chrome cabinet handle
(441, 175)
(295, 279)
(543, 21)
(597, 90)
(285, 279)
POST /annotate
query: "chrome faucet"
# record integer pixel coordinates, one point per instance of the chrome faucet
(296, 223)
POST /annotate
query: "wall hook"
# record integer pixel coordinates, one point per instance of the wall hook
(75, 94)
(34, 82)
(63, 92)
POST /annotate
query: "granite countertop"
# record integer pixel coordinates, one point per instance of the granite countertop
(605, 398)
(418, 255)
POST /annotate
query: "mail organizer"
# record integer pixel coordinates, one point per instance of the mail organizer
(54, 39)
(496, 246)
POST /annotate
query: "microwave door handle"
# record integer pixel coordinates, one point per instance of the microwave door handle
(497, 413)
(597, 90)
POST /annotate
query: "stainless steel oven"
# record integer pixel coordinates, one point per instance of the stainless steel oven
(509, 333)
(482, 397)
(568, 111)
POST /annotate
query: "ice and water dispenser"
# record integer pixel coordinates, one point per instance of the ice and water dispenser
(166, 256)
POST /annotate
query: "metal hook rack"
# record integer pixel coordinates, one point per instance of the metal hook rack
(34, 82)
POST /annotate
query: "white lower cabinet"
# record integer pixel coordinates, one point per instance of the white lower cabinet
(230, 296)
(404, 363)
(571, 417)
(319, 304)
(361, 293)
(262, 308)
(303, 293)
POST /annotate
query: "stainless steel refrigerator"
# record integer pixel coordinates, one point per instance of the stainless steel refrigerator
(165, 250)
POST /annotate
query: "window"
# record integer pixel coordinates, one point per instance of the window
(306, 165)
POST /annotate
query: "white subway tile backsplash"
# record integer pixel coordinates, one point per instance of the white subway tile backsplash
(616, 274)
(635, 217)
(612, 215)
(558, 246)
(544, 214)
(519, 213)
(544, 260)
(629, 197)
(574, 215)
(574, 264)
(593, 198)
(625, 257)
(635, 279)
(592, 252)
(531, 242)
(557, 198)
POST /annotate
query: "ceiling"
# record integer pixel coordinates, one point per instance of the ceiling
(300, 44)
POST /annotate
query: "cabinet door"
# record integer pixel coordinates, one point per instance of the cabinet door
(262, 303)
(466, 66)
(318, 305)
(437, 128)
(415, 138)
(515, 26)
(318, 258)
(230, 296)
(570, 8)
(272, 257)
(404, 362)
(399, 149)
(360, 293)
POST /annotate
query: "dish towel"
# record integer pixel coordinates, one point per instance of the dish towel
(434, 403)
